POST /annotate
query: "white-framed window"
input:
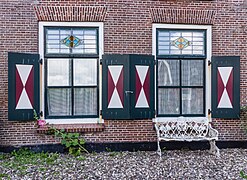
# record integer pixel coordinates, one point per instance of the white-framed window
(182, 73)
(71, 77)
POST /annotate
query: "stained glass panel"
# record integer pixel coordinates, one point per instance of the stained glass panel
(181, 43)
(71, 41)
(178, 42)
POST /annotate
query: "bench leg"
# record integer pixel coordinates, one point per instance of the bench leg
(159, 150)
(213, 148)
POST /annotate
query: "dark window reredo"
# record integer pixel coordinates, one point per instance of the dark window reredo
(179, 89)
(73, 88)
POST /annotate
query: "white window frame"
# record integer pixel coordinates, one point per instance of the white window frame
(208, 29)
(42, 25)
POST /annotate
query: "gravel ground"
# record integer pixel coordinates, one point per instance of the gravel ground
(182, 164)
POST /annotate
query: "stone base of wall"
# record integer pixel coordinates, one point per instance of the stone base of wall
(128, 146)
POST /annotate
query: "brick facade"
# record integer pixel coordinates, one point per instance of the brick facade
(127, 29)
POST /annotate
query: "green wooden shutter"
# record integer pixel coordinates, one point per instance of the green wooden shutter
(23, 86)
(142, 85)
(128, 86)
(115, 85)
(225, 87)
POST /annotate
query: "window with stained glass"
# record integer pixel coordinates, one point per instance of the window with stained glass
(71, 62)
(181, 72)
(181, 42)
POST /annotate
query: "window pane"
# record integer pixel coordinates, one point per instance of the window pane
(85, 72)
(175, 42)
(59, 101)
(192, 72)
(168, 101)
(85, 101)
(58, 72)
(192, 101)
(168, 72)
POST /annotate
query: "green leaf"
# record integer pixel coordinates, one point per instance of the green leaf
(75, 142)
(70, 135)
(64, 136)
(70, 150)
(82, 141)
(78, 152)
(67, 144)
(63, 142)
(62, 130)
(242, 175)
(56, 133)
(76, 135)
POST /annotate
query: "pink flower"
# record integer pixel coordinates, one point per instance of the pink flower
(41, 122)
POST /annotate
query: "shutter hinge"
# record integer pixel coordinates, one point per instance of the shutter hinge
(100, 112)
(41, 113)
(100, 61)
(209, 111)
(41, 61)
(209, 62)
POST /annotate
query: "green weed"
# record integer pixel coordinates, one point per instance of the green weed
(22, 159)
(4, 176)
(243, 175)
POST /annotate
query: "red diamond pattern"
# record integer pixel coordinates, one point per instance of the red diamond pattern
(24, 86)
(111, 86)
(142, 86)
(120, 87)
(225, 87)
(138, 86)
(115, 87)
(18, 87)
(221, 86)
(229, 87)
(146, 86)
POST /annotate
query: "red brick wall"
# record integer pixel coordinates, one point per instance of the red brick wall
(127, 29)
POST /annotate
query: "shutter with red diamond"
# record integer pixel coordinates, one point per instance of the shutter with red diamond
(128, 86)
(115, 81)
(23, 86)
(225, 87)
(142, 85)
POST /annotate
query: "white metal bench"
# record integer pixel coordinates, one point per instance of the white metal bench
(186, 129)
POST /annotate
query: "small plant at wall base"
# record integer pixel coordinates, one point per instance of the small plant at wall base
(72, 141)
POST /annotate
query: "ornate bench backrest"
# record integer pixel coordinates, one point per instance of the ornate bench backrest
(183, 128)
